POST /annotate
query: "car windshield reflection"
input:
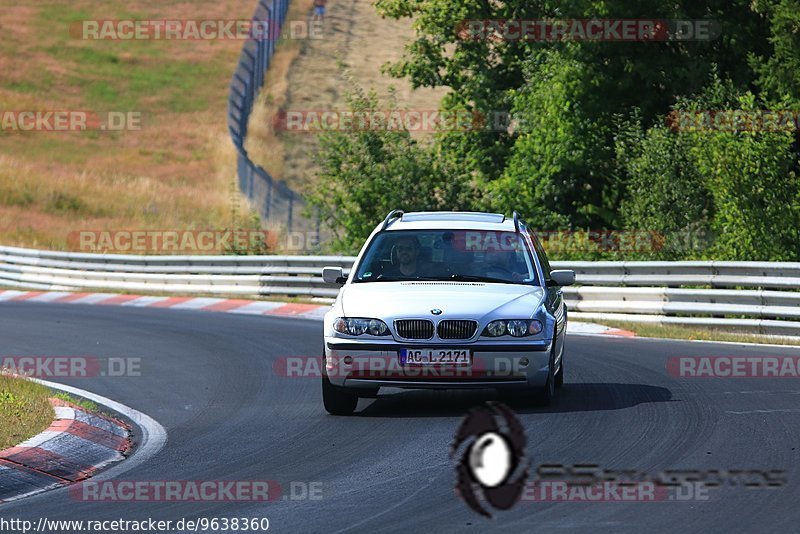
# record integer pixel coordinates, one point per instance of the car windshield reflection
(447, 255)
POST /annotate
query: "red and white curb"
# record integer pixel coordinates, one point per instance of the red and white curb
(577, 327)
(247, 307)
(75, 446)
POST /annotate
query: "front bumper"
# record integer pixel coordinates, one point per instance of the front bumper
(368, 365)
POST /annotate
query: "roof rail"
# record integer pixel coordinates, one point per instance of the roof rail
(394, 214)
(516, 221)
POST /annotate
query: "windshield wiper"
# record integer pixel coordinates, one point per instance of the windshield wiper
(451, 278)
(473, 278)
(401, 279)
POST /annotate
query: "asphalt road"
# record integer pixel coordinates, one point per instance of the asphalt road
(208, 379)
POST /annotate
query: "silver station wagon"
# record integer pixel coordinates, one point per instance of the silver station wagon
(446, 300)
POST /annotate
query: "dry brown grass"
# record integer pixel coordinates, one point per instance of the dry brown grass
(698, 333)
(356, 37)
(177, 172)
(24, 410)
(262, 144)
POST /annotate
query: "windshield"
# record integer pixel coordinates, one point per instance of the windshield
(468, 255)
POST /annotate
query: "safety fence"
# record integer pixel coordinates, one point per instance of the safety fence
(276, 202)
(739, 296)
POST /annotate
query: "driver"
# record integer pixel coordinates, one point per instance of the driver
(407, 249)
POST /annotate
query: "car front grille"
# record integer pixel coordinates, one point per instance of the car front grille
(457, 329)
(414, 328)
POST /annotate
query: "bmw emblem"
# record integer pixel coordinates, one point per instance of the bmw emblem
(436, 311)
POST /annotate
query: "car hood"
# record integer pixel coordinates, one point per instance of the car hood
(462, 300)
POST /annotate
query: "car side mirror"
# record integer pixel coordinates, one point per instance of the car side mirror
(561, 278)
(333, 275)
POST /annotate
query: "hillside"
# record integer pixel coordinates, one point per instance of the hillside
(308, 75)
(177, 171)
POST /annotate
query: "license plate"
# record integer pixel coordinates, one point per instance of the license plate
(435, 357)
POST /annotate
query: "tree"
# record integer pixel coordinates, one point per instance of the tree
(369, 172)
(740, 186)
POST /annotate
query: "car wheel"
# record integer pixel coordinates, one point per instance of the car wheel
(543, 396)
(560, 374)
(336, 401)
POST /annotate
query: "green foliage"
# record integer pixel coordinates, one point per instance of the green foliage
(65, 203)
(367, 173)
(665, 192)
(756, 195)
(12, 405)
(81, 403)
(778, 69)
(739, 186)
(558, 164)
(589, 148)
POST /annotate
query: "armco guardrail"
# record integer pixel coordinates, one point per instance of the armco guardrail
(608, 290)
(277, 202)
(718, 274)
(251, 276)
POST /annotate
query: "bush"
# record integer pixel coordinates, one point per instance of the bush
(366, 174)
(741, 187)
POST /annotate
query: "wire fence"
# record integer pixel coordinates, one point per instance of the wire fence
(276, 202)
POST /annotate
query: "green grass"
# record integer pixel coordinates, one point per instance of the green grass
(87, 405)
(46, 81)
(108, 81)
(57, 148)
(121, 74)
(24, 410)
(19, 197)
(697, 333)
(174, 172)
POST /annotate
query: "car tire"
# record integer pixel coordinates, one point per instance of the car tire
(543, 395)
(336, 401)
(560, 374)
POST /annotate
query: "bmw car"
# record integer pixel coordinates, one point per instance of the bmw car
(446, 300)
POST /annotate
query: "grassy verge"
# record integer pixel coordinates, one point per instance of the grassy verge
(174, 173)
(24, 410)
(87, 405)
(696, 333)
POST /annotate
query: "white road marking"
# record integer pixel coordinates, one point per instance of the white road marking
(154, 436)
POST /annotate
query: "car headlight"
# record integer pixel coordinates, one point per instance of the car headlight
(495, 328)
(377, 328)
(517, 328)
(358, 327)
(534, 327)
(513, 327)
